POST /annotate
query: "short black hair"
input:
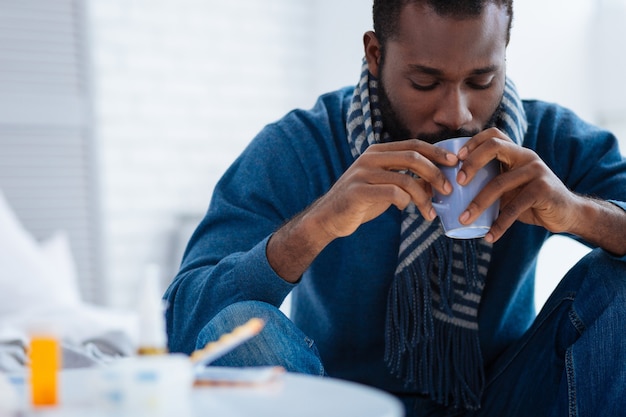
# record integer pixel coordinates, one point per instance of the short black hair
(386, 13)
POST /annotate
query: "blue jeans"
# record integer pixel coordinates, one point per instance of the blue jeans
(280, 342)
(571, 362)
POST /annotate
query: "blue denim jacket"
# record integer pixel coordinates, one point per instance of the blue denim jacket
(340, 301)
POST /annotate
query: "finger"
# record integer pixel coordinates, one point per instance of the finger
(482, 149)
(388, 194)
(420, 165)
(381, 196)
(501, 185)
(433, 153)
(424, 205)
(478, 139)
(509, 213)
(418, 190)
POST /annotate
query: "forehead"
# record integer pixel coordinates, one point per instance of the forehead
(445, 42)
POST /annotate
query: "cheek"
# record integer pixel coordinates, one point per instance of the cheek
(418, 117)
(485, 105)
(414, 110)
(494, 96)
(405, 101)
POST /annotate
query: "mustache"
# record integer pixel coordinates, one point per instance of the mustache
(445, 134)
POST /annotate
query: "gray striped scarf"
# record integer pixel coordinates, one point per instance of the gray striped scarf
(432, 310)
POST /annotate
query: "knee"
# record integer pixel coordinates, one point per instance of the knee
(280, 343)
(601, 270)
(602, 283)
(235, 315)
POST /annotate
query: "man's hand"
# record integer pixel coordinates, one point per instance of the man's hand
(374, 182)
(378, 179)
(530, 192)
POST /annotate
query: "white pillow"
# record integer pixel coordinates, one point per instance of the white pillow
(61, 268)
(28, 277)
(38, 285)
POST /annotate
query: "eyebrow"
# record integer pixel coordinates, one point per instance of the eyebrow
(437, 72)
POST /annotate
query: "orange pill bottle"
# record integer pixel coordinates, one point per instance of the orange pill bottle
(44, 364)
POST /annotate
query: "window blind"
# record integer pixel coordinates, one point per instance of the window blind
(47, 163)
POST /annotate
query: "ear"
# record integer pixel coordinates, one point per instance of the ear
(373, 52)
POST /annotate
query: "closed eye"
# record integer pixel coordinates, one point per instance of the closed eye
(481, 84)
(422, 87)
(476, 86)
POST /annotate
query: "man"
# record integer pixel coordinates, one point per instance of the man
(334, 206)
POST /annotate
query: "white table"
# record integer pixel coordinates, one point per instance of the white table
(300, 395)
(290, 395)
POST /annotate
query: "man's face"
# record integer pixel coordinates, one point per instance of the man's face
(441, 77)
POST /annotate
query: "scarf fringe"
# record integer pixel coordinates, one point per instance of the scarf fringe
(435, 355)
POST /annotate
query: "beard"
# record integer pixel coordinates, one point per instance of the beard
(399, 131)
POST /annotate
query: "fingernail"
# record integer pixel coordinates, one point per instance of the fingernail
(447, 187)
(464, 217)
(432, 214)
(461, 177)
(462, 153)
(489, 238)
(451, 157)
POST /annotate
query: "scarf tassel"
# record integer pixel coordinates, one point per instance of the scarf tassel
(435, 355)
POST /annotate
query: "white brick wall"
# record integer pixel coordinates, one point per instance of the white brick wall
(181, 87)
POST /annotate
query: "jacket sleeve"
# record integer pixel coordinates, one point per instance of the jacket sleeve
(225, 260)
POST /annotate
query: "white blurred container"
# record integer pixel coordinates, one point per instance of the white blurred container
(150, 385)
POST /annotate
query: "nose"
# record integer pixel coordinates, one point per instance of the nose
(453, 109)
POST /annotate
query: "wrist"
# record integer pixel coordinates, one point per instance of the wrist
(293, 247)
(598, 223)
